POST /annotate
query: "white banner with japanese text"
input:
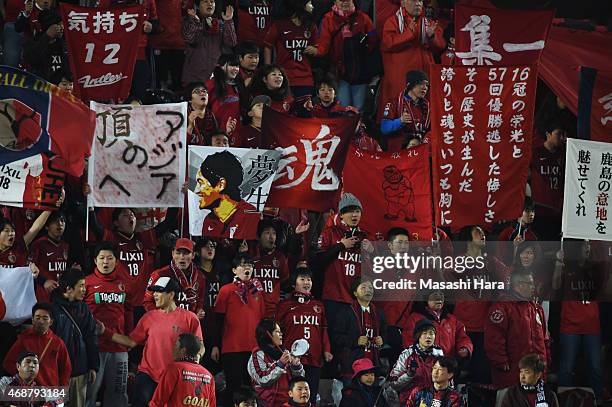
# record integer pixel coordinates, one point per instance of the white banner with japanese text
(588, 181)
(228, 188)
(138, 155)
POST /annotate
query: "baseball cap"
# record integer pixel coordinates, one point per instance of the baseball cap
(165, 285)
(183, 243)
(261, 99)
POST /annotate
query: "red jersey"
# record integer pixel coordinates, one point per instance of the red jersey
(224, 108)
(185, 384)
(271, 269)
(192, 282)
(289, 41)
(158, 331)
(547, 177)
(248, 137)
(581, 287)
(254, 21)
(301, 316)
(50, 257)
(340, 273)
(241, 318)
(106, 295)
(12, 8)
(135, 259)
(241, 225)
(14, 256)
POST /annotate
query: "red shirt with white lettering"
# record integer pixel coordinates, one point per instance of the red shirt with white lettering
(271, 268)
(240, 319)
(289, 41)
(301, 316)
(50, 257)
(254, 21)
(547, 177)
(192, 283)
(185, 383)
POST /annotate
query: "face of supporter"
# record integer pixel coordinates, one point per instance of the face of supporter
(527, 257)
(478, 237)
(351, 218)
(207, 8)
(420, 89)
(267, 240)
(435, 301)
(249, 61)
(126, 221)
(55, 229)
(78, 292)
(162, 300)
(199, 96)
(106, 261)
(207, 252)
(277, 336)
(182, 258)
(327, 94)
(41, 321)
(303, 284)
(300, 393)
(66, 85)
(413, 143)
(28, 368)
(427, 338)
(219, 140)
(413, 7)
(231, 70)
(7, 236)
(556, 138)
(367, 378)
(248, 403)
(257, 110)
(274, 80)
(440, 374)
(344, 5)
(525, 287)
(208, 194)
(243, 271)
(399, 244)
(528, 216)
(364, 291)
(528, 377)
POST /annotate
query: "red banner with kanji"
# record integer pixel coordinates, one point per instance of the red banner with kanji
(595, 105)
(394, 189)
(491, 36)
(314, 150)
(102, 45)
(482, 120)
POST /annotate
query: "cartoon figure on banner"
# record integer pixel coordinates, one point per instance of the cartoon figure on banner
(218, 184)
(20, 125)
(399, 195)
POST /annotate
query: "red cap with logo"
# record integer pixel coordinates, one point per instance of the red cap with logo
(184, 243)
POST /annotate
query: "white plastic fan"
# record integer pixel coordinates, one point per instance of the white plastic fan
(300, 347)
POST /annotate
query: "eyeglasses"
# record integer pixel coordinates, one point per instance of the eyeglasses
(199, 90)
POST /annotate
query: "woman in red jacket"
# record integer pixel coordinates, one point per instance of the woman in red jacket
(450, 332)
(270, 367)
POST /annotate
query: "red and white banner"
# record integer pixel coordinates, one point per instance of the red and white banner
(491, 36)
(394, 189)
(102, 45)
(33, 182)
(314, 151)
(482, 120)
(595, 105)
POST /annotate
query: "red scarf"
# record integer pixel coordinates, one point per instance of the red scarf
(243, 288)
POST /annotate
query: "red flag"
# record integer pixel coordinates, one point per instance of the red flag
(482, 120)
(595, 105)
(314, 150)
(394, 189)
(40, 118)
(102, 44)
(491, 36)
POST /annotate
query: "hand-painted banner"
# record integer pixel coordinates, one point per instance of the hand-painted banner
(16, 294)
(102, 45)
(482, 120)
(394, 189)
(228, 188)
(138, 155)
(491, 36)
(31, 183)
(313, 154)
(595, 105)
(36, 117)
(587, 206)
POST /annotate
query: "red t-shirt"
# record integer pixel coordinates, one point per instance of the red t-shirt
(271, 269)
(240, 319)
(185, 383)
(289, 41)
(547, 177)
(248, 137)
(158, 331)
(50, 257)
(14, 256)
(253, 22)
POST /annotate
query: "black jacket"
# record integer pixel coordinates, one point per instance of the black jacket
(360, 395)
(82, 346)
(347, 329)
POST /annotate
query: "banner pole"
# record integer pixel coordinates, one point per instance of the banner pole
(87, 221)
